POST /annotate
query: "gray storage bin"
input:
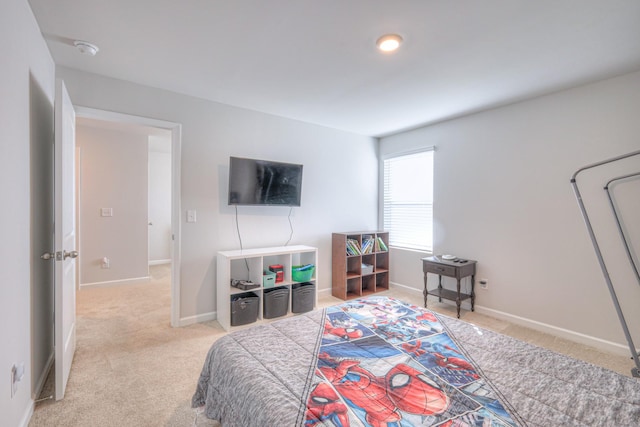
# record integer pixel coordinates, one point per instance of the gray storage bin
(244, 308)
(303, 297)
(367, 269)
(276, 302)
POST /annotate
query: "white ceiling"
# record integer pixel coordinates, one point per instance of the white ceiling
(315, 60)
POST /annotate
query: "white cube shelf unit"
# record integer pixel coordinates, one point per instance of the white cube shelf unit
(249, 264)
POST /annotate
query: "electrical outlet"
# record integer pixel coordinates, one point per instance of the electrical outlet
(17, 372)
(484, 283)
(106, 263)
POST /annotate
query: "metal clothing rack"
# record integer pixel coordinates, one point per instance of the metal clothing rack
(634, 353)
(623, 236)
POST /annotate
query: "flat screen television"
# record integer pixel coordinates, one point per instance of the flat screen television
(262, 182)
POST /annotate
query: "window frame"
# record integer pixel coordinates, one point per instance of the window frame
(382, 205)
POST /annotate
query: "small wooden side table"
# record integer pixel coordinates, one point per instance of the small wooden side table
(458, 268)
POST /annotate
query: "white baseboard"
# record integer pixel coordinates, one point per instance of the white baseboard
(28, 414)
(205, 317)
(160, 261)
(324, 291)
(405, 288)
(604, 345)
(115, 282)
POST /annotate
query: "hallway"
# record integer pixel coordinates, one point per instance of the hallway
(131, 367)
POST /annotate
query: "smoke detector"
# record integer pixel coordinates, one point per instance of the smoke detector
(86, 48)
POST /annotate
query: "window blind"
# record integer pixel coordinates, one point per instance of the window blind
(408, 200)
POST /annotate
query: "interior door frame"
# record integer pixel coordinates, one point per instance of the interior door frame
(176, 144)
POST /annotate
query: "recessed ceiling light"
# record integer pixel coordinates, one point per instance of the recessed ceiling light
(86, 47)
(389, 42)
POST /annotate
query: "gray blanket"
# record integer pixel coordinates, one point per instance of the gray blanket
(261, 376)
(547, 388)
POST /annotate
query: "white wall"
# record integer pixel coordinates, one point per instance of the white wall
(113, 175)
(503, 197)
(160, 198)
(24, 56)
(339, 184)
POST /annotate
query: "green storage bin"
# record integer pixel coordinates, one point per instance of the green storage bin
(302, 273)
(268, 279)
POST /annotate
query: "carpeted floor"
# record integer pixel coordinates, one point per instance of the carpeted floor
(132, 368)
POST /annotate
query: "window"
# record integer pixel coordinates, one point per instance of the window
(408, 200)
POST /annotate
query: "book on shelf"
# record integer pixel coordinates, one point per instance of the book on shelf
(367, 244)
(353, 247)
(380, 245)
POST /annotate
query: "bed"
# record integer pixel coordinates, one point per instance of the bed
(379, 361)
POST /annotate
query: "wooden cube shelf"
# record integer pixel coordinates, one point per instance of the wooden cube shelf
(360, 263)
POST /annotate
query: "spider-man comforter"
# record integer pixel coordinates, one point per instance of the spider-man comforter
(378, 361)
(383, 362)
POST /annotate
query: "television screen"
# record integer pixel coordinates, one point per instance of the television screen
(262, 182)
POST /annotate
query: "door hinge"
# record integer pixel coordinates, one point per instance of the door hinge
(59, 255)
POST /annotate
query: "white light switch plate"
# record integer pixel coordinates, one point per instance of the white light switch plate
(191, 216)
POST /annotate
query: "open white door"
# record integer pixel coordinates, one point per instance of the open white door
(65, 238)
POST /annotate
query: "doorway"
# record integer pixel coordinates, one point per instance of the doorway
(41, 169)
(140, 125)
